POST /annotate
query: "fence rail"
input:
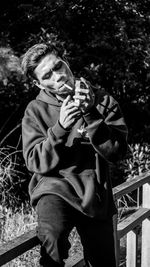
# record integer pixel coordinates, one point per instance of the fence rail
(127, 227)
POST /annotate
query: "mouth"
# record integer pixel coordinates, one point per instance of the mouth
(66, 86)
(61, 86)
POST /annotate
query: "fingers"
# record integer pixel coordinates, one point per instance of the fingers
(82, 90)
(82, 95)
(85, 82)
(66, 100)
(69, 107)
(81, 101)
(73, 115)
(71, 118)
(69, 103)
(72, 112)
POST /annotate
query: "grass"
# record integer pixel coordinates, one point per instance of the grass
(14, 223)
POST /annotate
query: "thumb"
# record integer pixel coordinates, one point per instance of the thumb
(84, 82)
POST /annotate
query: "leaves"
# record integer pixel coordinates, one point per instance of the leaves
(9, 66)
(136, 162)
(13, 182)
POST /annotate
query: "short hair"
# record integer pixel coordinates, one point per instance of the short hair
(34, 54)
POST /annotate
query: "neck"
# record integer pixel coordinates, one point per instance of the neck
(59, 98)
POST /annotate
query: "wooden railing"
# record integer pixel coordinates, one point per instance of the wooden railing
(130, 225)
(127, 227)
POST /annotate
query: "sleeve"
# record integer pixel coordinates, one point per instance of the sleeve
(107, 129)
(41, 149)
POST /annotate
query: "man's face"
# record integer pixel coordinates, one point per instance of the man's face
(52, 73)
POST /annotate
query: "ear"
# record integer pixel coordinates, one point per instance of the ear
(36, 83)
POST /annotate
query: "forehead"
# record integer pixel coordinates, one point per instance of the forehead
(46, 63)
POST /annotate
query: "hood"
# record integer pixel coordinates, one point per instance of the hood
(49, 98)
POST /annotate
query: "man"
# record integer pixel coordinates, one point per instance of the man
(71, 132)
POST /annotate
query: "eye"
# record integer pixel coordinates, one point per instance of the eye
(58, 66)
(47, 75)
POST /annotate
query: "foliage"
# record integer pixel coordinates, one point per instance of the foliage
(14, 96)
(10, 76)
(15, 223)
(9, 65)
(107, 42)
(13, 178)
(137, 162)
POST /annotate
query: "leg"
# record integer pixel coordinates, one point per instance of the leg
(98, 242)
(54, 226)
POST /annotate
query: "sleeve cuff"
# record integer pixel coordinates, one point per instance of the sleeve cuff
(58, 131)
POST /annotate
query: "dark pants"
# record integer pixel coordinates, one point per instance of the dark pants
(56, 218)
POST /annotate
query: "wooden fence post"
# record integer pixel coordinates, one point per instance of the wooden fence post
(131, 246)
(117, 242)
(145, 255)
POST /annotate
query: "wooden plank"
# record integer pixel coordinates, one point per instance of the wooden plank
(145, 251)
(132, 221)
(17, 246)
(116, 240)
(131, 185)
(131, 248)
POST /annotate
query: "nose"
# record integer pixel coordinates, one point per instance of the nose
(60, 77)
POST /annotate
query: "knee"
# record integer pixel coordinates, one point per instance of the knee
(53, 229)
(55, 243)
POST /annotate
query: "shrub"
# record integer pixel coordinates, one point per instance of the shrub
(13, 178)
(136, 162)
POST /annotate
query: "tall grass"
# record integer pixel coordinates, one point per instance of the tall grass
(13, 177)
(13, 224)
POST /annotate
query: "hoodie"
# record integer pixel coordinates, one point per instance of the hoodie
(74, 164)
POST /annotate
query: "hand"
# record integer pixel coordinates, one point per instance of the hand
(84, 95)
(69, 113)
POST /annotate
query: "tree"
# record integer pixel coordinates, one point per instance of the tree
(105, 41)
